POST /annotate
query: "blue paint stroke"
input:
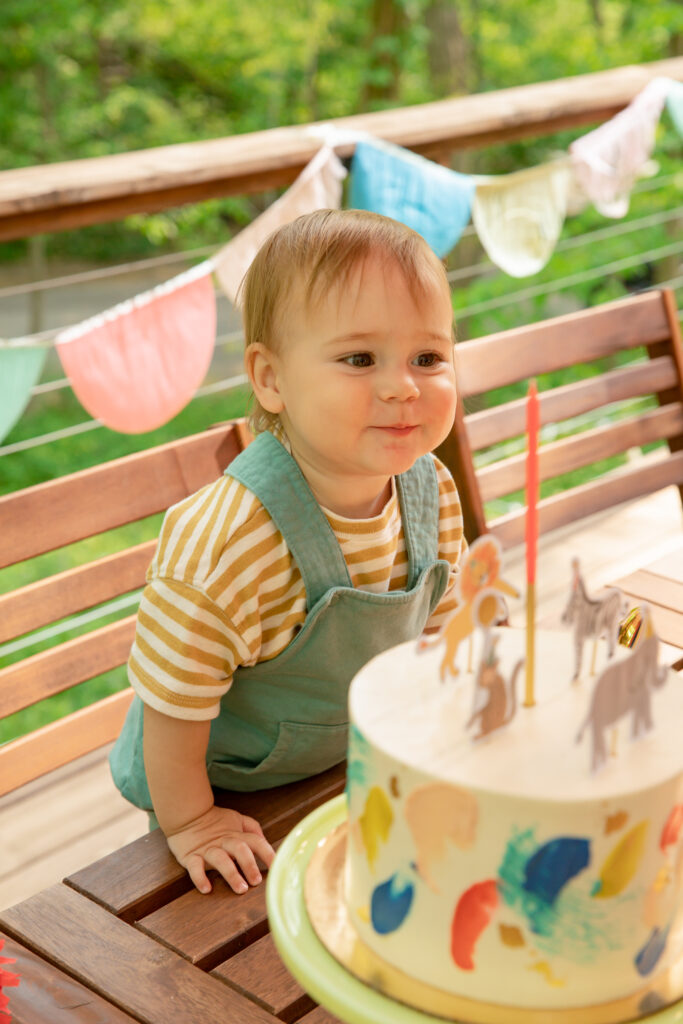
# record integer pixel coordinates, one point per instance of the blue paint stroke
(553, 865)
(572, 925)
(390, 903)
(648, 957)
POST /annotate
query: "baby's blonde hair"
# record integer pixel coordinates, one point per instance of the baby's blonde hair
(318, 251)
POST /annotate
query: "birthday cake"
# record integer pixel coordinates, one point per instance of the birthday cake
(519, 856)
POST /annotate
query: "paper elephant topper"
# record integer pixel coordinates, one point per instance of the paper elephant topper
(624, 688)
(592, 617)
(479, 589)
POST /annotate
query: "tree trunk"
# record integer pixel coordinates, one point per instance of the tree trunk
(387, 35)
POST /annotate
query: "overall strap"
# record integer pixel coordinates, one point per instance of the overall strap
(418, 495)
(267, 469)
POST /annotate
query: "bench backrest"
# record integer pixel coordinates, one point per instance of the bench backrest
(621, 352)
(50, 516)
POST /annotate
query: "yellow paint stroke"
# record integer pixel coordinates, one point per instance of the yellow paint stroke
(659, 898)
(614, 822)
(511, 935)
(375, 822)
(435, 813)
(622, 863)
(364, 914)
(544, 968)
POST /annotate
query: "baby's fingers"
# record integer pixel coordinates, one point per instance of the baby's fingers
(194, 865)
(223, 860)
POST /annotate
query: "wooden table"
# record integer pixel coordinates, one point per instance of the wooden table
(128, 940)
(661, 585)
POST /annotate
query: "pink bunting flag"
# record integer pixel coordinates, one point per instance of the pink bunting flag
(137, 365)
(318, 187)
(607, 161)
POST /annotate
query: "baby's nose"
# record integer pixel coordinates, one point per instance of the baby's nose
(398, 385)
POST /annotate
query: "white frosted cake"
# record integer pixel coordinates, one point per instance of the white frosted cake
(504, 869)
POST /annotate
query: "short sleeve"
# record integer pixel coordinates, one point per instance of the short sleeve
(452, 543)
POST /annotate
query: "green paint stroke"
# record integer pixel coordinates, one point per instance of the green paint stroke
(359, 760)
(574, 926)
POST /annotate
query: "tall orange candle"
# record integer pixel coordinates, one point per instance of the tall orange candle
(531, 534)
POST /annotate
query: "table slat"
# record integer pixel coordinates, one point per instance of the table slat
(657, 590)
(320, 1016)
(207, 929)
(45, 994)
(121, 964)
(259, 970)
(143, 876)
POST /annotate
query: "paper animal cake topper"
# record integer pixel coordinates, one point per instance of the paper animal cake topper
(495, 698)
(592, 617)
(479, 590)
(625, 688)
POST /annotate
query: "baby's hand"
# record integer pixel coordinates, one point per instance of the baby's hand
(224, 840)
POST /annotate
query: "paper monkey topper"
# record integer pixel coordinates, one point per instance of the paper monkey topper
(478, 589)
(625, 688)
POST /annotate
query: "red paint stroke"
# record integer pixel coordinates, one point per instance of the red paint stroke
(672, 828)
(474, 911)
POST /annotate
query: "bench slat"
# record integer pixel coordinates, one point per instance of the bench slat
(62, 741)
(503, 422)
(622, 485)
(75, 590)
(59, 512)
(509, 356)
(580, 450)
(52, 671)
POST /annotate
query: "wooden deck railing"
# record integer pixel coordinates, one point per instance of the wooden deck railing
(60, 196)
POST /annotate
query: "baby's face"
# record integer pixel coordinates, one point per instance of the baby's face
(366, 379)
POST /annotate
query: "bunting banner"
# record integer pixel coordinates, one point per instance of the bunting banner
(674, 104)
(431, 199)
(608, 160)
(137, 365)
(318, 187)
(518, 217)
(20, 370)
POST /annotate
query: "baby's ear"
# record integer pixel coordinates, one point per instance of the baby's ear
(261, 365)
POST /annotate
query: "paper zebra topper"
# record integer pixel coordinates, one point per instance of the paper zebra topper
(592, 617)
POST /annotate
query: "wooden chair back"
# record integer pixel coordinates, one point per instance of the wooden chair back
(622, 352)
(50, 516)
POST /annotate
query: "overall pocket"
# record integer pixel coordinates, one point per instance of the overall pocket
(301, 749)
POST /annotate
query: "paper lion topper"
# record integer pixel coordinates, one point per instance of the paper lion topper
(479, 589)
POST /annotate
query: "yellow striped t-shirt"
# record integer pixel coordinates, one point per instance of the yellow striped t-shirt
(224, 591)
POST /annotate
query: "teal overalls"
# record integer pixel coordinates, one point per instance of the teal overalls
(287, 718)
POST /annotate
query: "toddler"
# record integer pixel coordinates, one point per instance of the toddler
(333, 536)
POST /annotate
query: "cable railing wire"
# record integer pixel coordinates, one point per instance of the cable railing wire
(202, 252)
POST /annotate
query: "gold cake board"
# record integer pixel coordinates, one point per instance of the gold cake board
(323, 891)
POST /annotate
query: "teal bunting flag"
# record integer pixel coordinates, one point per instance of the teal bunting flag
(429, 198)
(20, 369)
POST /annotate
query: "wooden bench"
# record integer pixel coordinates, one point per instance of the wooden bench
(603, 344)
(46, 518)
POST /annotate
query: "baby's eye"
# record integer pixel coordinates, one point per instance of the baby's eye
(359, 359)
(428, 359)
